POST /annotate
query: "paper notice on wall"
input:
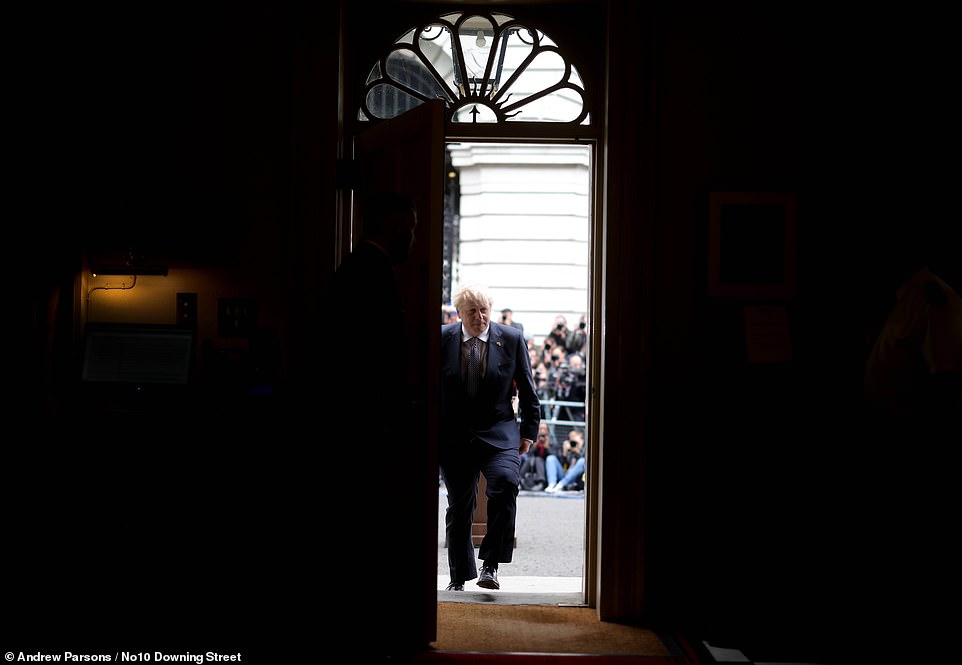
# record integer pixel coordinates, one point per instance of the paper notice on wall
(767, 338)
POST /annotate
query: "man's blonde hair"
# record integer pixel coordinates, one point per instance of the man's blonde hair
(472, 294)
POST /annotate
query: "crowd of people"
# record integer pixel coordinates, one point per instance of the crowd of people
(556, 461)
(552, 467)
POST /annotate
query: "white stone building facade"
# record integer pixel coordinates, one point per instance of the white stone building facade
(524, 219)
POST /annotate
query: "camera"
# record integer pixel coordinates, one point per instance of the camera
(504, 318)
(568, 377)
(560, 326)
(582, 325)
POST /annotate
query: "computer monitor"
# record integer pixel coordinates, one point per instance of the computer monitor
(137, 355)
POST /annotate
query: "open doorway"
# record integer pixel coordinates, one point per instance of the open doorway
(518, 219)
(502, 81)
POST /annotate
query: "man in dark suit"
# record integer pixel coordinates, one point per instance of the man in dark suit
(480, 432)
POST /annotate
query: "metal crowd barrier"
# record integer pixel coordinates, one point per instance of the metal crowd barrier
(551, 412)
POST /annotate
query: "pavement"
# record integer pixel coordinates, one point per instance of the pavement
(548, 564)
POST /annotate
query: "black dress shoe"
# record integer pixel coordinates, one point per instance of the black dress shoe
(455, 586)
(489, 577)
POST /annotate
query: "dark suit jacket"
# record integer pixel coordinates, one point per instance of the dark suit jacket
(491, 417)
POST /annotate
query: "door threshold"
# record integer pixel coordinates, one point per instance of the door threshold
(522, 590)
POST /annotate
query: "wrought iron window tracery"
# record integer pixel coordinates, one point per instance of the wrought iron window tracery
(495, 70)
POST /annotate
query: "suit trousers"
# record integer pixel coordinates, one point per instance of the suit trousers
(460, 470)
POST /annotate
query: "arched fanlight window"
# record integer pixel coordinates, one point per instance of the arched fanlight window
(487, 67)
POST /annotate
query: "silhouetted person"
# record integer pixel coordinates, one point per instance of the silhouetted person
(361, 509)
(907, 475)
(913, 372)
(915, 366)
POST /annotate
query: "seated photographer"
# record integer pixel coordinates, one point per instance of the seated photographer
(534, 476)
(572, 470)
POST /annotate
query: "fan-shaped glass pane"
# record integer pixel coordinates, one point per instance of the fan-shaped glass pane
(387, 101)
(435, 44)
(404, 68)
(375, 73)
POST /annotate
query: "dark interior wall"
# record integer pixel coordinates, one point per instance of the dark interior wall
(730, 508)
(768, 490)
(163, 134)
(167, 129)
(185, 120)
(713, 99)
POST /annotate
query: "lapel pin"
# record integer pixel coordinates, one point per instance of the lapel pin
(498, 343)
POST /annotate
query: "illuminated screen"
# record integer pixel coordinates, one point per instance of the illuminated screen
(137, 354)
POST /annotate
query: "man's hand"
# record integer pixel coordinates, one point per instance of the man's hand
(525, 444)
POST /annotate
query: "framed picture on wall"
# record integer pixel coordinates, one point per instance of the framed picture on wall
(751, 245)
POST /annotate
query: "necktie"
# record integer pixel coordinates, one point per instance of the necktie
(472, 376)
